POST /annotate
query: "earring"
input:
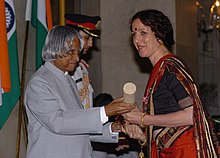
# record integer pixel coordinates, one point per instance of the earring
(160, 41)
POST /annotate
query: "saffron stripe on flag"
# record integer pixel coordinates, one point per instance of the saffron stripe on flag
(4, 58)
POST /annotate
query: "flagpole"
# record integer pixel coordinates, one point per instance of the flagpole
(22, 119)
(62, 11)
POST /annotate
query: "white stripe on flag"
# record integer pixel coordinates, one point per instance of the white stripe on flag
(1, 90)
(41, 12)
(28, 10)
(8, 18)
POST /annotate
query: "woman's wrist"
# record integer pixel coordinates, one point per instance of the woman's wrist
(142, 120)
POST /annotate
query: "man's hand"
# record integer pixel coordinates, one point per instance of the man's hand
(117, 107)
(116, 127)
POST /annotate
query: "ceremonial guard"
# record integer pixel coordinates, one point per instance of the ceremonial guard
(87, 27)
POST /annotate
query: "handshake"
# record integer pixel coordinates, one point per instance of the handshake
(129, 118)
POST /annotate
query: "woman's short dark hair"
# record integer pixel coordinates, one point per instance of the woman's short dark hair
(159, 23)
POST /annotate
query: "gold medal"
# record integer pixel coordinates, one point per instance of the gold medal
(84, 91)
(141, 154)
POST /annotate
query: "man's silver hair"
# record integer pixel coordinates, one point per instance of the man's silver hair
(59, 42)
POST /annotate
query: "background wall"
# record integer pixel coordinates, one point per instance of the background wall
(120, 61)
(113, 61)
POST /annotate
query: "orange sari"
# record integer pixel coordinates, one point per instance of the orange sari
(184, 147)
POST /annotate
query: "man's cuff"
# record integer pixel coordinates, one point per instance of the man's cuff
(115, 135)
(104, 118)
(110, 129)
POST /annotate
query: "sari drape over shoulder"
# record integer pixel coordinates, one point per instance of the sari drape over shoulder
(204, 132)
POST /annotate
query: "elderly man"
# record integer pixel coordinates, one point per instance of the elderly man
(58, 124)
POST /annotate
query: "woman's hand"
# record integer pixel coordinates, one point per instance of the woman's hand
(179, 118)
(134, 116)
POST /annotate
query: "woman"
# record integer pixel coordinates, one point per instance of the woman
(175, 121)
(58, 124)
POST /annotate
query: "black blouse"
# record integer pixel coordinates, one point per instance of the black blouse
(170, 95)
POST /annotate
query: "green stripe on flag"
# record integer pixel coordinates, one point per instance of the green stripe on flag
(34, 13)
(40, 39)
(41, 32)
(10, 99)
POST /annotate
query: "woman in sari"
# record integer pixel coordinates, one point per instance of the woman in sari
(173, 121)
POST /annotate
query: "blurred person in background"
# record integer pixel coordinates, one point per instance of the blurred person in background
(87, 26)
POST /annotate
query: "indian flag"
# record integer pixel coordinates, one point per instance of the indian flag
(39, 13)
(10, 83)
(1, 90)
